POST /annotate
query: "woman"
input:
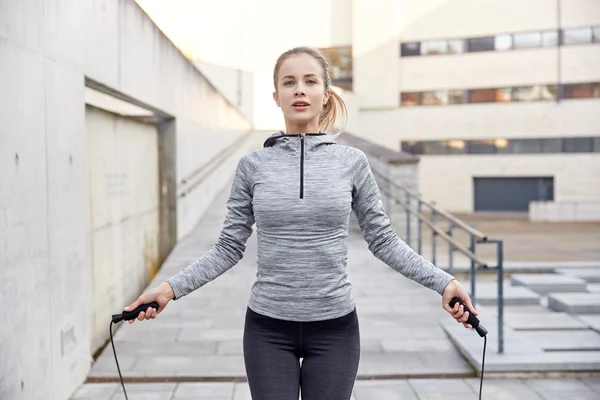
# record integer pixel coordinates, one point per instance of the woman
(300, 190)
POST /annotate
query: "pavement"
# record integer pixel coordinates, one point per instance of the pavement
(194, 348)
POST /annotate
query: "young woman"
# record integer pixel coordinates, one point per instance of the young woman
(300, 190)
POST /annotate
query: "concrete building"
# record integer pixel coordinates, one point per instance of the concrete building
(500, 98)
(112, 145)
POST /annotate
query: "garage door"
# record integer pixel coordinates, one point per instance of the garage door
(511, 194)
(123, 213)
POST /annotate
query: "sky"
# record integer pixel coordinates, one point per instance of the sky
(249, 34)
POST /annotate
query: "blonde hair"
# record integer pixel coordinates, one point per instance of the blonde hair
(335, 106)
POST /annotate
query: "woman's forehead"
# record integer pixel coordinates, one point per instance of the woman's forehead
(300, 65)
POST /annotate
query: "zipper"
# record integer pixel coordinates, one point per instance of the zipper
(302, 165)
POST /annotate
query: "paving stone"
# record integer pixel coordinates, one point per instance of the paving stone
(384, 390)
(549, 283)
(590, 275)
(503, 389)
(543, 321)
(575, 303)
(213, 391)
(486, 294)
(576, 340)
(95, 390)
(592, 321)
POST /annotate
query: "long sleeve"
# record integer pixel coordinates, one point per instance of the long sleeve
(383, 242)
(231, 244)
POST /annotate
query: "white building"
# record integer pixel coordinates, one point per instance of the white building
(500, 97)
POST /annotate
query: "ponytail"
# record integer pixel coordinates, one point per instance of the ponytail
(332, 111)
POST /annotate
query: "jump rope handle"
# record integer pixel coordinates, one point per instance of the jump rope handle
(133, 314)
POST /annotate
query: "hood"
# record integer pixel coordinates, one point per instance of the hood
(283, 141)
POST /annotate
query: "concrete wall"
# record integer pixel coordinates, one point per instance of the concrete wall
(563, 211)
(234, 84)
(576, 176)
(47, 50)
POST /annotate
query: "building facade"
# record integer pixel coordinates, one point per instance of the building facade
(500, 98)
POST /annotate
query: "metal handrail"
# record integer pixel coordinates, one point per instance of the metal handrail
(475, 236)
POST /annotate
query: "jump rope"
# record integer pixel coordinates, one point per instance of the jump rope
(129, 315)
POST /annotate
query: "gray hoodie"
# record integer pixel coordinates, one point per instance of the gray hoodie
(300, 190)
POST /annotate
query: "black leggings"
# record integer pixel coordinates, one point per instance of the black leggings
(330, 352)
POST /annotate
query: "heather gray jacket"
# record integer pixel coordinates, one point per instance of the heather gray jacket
(300, 190)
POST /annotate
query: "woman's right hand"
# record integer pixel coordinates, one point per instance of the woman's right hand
(162, 294)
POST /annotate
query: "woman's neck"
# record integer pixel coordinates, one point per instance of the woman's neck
(293, 129)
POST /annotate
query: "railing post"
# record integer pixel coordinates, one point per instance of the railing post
(433, 234)
(408, 220)
(472, 272)
(500, 296)
(451, 248)
(420, 228)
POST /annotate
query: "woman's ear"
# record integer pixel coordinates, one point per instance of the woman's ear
(276, 98)
(326, 96)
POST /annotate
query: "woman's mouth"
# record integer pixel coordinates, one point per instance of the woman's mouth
(300, 105)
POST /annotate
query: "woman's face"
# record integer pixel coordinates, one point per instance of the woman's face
(301, 92)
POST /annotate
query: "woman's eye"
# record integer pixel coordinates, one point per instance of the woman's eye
(288, 82)
(311, 82)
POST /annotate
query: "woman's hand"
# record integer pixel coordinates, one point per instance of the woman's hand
(162, 294)
(452, 290)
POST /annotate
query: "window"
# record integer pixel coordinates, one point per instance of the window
(577, 35)
(482, 146)
(434, 147)
(503, 42)
(596, 143)
(456, 146)
(457, 96)
(412, 147)
(526, 93)
(548, 92)
(578, 145)
(551, 145)
(481, 44)
(434, 47)
(578, 91)
(527, 40)
(490, 95)
(435, 98)
(456, 46)
(410, 99)
(525, 146)
(550, 38)
(410, 49)
(596, 34)
(596, 89)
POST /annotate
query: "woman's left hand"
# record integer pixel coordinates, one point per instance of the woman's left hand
(452, 290)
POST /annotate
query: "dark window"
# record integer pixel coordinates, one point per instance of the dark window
(411, 99)
(503, 42)
(481, 44)
(596, 34)
(578, 145)
(527, 40)
(412, 147)
(551, 145)
(435, 98)
(577, 35)
(525, 146)
(550, 38)
(482, 146)
(577, 91)
(410, 49)
(456, 146)
(434, 147)
(457, 96)
(597, 144)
